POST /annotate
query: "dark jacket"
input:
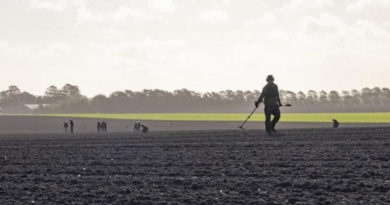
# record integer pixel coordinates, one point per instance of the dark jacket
(270, 95)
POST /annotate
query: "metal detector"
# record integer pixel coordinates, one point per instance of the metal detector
(242, 125)
(254, 110)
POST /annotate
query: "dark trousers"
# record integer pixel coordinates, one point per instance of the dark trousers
(268, 111)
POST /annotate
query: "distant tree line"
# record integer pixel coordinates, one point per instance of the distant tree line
(68, 99)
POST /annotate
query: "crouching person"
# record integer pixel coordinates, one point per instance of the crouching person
(140, 128)
(335, 123)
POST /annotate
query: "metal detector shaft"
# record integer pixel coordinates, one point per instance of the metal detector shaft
(249, 116)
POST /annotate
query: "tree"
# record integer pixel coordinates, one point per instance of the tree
(334, 98)
(356, 98)
(312, 98)
(301, 98)
(52, 91)
(386, 96)
(26, 98)
(347, 98)
(377, 97)
(71, 91)
(100, 103)
(323, 99)
(120, 100)
(13, 90)
(366, 96)
(53, 95)
(250, 96)
(291, 97)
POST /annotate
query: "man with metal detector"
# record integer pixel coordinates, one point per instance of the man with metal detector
(270, 97)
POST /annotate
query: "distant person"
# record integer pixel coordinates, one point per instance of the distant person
(335, 123)
(98, 126)
(139, 127)
(104, 126)
(66, 127)
(71, 123)
(270, 97)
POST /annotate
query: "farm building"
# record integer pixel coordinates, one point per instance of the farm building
(16, 109)
(20, 108)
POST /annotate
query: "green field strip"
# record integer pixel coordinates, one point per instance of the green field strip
(288, 117)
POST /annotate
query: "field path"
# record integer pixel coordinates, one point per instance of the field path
(36, 124)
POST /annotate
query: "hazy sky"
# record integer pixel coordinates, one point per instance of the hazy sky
(204, 45)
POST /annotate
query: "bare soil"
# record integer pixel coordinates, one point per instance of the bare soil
(299, 166)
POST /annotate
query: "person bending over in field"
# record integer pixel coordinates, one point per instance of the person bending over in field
(66, 127)
(139, 127)
(270, 97)
(335, 123)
